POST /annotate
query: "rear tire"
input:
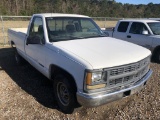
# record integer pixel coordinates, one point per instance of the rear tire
(18, 58)
(65, 93)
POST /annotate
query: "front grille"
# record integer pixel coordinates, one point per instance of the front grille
(127, 74)
(123, 70)
(116, 71)
(128, 78)
(125, 79)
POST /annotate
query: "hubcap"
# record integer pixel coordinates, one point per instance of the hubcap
(63, 93)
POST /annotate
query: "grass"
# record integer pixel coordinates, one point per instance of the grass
(106, 24)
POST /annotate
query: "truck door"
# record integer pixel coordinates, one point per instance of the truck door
(36, 52)
(120, 31)
(139, 34)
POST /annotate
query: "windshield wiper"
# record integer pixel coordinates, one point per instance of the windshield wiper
(74, 37)
(97, 36)
(102, 36)
(66, 38)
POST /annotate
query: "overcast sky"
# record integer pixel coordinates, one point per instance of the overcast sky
(139, 1)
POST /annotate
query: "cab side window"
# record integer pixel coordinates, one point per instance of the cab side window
(36, 29)
(138, 28)
(123, 26)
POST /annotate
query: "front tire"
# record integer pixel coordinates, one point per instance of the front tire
(65, 93)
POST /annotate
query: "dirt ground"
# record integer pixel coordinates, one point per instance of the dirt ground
(27, 94)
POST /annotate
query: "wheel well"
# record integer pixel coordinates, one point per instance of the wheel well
(12, 42)
(55, 70)
(154, 52)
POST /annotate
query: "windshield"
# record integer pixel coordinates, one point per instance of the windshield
(155, 27)
(71, 28)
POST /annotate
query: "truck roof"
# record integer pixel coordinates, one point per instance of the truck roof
(139, 20)
(60, 15)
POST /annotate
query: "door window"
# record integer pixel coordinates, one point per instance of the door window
(138, 28)
(36, 29)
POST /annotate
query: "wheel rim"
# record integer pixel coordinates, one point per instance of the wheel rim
(63, 93)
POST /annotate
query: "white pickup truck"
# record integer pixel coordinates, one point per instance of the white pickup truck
(86, 67)
(142, 32)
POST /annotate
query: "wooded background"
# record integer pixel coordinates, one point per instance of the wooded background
(93, 8)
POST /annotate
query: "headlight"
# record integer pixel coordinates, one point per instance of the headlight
(96, 77)
(94, 80)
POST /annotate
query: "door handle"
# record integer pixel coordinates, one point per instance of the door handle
(128, 36)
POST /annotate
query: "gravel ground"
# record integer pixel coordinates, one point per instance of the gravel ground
(27, 94)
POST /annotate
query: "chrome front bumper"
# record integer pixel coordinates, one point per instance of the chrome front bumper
(97, 99)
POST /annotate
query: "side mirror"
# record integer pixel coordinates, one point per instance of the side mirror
(33, 40)
(145, 32)
(106, 33)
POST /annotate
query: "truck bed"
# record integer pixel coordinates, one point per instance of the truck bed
(18, 35)
(22, 31)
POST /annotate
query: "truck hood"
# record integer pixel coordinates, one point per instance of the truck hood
(102, 52)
